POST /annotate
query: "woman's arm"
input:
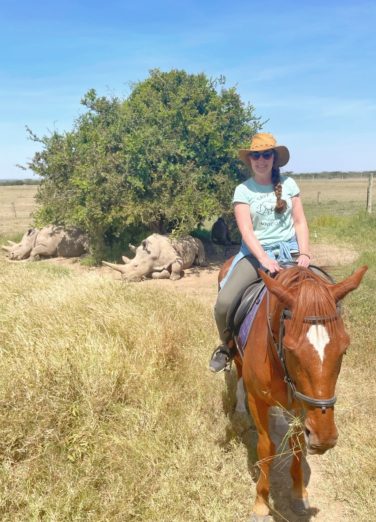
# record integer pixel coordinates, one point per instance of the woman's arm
(301, 229)
(244, 222)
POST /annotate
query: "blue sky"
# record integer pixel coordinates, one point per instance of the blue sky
(306, 67)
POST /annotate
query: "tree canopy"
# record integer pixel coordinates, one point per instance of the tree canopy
(164, 158)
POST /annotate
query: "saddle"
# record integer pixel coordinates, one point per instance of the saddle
(241, 307)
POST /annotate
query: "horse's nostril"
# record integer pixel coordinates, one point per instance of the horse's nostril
(307, 432)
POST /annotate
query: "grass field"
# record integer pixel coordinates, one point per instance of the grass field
(17, 204)
(340, 190)
(334, 196)
(108, 413)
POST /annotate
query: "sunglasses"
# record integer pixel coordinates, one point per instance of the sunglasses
(267, 154)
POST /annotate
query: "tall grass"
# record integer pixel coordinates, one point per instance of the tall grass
(350, 468)
(108, 412)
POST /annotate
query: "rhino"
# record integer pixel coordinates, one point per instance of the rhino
(220, 233)
(49, 241)
(161, 257)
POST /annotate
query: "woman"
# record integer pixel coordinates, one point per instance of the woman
(270, 217)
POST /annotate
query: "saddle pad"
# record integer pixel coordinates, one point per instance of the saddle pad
(246, 325)
(248, 299)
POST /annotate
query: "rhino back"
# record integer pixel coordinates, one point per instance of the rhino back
(56, 241)
(161, 249)
(73, 243)
(187, 248)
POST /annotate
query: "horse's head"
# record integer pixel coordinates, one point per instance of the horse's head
(314, 340)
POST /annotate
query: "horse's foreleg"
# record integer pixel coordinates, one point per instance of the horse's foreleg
(266, 452)
(240, 392)
(299, 501)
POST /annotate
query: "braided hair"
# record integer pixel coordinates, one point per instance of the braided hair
(276, 180)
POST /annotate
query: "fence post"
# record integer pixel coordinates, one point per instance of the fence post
(369, 193)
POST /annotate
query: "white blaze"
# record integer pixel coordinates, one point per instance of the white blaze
(319, 338)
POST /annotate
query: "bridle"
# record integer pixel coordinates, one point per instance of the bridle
(280, 350)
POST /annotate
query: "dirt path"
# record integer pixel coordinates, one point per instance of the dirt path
(202, 284)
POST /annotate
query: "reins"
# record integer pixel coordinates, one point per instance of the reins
(280, 350)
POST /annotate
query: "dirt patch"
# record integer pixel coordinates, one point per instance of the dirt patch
(201, 282)
(332, 256)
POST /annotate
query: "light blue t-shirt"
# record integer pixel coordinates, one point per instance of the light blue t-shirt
(269, 226)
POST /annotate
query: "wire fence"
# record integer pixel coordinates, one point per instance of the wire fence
(17, 204)
(346, 195)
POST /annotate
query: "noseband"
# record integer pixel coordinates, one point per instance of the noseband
(279, 348)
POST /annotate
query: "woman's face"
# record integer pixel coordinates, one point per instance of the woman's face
(262, 162)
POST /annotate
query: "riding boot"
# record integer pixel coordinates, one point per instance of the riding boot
(223, 354)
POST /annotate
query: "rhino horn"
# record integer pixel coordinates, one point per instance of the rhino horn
(132, 248)
(125, 259)
(7, 248)
(119, 268)
(12, 243)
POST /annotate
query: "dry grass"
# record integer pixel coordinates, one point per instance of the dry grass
(108, 412)
(339, 190)
(351, 467)
(17, 204)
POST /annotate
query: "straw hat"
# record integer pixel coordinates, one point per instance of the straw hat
(265, 141)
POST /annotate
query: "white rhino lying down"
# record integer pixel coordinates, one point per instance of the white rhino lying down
(50, 241)
(161, 258)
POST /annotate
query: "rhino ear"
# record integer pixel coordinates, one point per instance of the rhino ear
(145, 245)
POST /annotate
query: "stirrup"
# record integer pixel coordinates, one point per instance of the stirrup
(221, 359)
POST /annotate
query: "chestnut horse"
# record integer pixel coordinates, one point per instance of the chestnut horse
(292, 359)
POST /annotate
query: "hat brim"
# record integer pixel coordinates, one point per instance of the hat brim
(282, 157)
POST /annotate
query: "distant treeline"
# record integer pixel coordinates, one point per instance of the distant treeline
(330, 175)
(310, 175)
(19, 182)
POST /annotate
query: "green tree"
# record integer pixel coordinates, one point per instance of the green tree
(163, 159)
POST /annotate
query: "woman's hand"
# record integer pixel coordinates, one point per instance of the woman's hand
(271, 265)
(303, 260)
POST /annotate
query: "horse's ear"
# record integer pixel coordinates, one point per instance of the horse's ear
(340, 290)
(280, 291)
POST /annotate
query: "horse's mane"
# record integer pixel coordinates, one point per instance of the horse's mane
(312, 294)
